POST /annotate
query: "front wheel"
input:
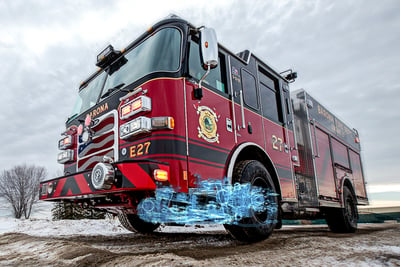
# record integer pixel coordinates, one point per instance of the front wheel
(133, 223)
(261, 224)
(344, 220)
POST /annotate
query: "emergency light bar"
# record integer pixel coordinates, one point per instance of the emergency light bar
(145, 125)
(142, 103)
(107, 56)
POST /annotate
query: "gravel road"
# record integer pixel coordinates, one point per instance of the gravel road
(372, 245)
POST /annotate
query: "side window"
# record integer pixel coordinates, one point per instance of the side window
(270, 98)
(249, 89)
(216, 77)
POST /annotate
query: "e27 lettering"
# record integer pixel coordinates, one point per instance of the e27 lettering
(139, 150)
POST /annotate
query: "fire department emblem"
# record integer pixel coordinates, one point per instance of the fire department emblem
(207, 124)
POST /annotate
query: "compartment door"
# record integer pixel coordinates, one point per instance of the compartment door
(323, 163)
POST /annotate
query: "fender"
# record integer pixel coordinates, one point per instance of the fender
(237, 152)
(342, 181)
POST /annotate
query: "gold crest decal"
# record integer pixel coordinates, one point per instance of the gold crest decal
(208, 124)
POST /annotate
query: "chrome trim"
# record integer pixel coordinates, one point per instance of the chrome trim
(233, 98)
(324, 203)
(312, 146)
(131, 94)
(294, 125)
(186, 117)
(242, 108)
(315, 138)
(346, 178)
(236, 154)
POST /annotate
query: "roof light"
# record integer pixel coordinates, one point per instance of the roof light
(140, 104)
(107, 56)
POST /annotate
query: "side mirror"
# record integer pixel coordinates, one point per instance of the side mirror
(208, 55)
(209, 48)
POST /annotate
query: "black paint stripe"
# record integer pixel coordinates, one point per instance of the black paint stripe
(207, 154)
(209, 144)
(283, 173)
(70, 183)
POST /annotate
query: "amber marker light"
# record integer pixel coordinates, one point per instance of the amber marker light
(161, 175)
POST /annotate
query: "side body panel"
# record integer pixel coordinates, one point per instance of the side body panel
(329, 152)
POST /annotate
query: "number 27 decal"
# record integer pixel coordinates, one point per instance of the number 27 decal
(277, 143)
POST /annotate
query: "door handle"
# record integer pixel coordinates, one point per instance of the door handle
(242, 109)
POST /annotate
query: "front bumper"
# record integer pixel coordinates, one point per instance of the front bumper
(130, 176)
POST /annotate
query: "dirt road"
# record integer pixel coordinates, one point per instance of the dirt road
(373, 245)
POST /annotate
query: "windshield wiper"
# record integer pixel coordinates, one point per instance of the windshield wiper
(109, 91)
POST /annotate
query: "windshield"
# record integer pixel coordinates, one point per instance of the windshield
(158, 53)
(89, 95)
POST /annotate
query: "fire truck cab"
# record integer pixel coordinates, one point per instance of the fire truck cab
(175, 108)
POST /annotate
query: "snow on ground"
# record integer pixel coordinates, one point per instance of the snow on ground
(106, 227)
(47, 227)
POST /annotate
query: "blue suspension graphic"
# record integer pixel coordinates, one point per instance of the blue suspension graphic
(213, 202)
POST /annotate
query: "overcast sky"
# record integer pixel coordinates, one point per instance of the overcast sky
(346, 53)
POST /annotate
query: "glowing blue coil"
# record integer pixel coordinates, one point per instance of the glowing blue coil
(214, 201)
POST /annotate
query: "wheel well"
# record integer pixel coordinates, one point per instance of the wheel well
(347, 183)
(252, 152)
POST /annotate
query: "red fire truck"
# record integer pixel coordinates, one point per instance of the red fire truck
(175, 108)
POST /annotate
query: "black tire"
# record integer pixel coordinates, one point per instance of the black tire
(344, 220)
(260, 225)
(133, 223)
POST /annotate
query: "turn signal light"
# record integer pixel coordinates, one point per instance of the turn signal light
(163, 123)
(145, 125)
(161, 175)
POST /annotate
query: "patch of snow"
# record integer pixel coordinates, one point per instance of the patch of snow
(47, 227)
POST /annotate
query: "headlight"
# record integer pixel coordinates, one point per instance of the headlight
(50, 188)
(136, 126)
(66, 156)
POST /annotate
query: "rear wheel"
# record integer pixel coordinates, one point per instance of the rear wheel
(261, 224)
(344, 220)
(133, 223)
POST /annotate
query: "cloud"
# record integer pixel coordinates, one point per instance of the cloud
(346, 54)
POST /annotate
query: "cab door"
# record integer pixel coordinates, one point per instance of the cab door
(210, 133)
(247, 108)
(277, 138)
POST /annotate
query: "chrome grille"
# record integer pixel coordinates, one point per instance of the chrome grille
(104, 142)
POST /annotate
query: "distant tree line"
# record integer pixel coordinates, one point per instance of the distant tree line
(20, 188)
